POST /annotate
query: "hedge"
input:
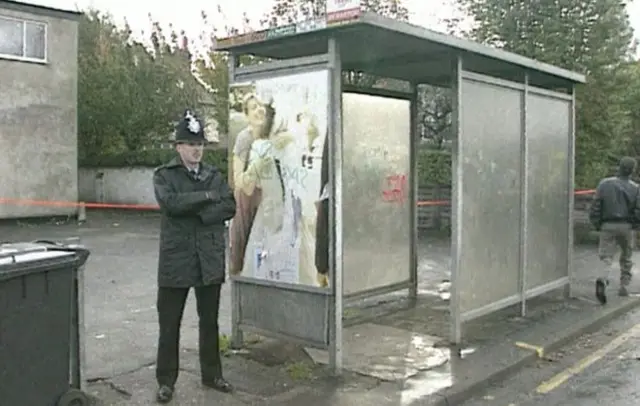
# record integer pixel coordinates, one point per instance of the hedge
(150, 158)
(434, 166)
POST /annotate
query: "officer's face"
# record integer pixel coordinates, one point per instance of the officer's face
(191, 152)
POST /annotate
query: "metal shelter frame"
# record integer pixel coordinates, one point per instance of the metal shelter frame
(521, 91)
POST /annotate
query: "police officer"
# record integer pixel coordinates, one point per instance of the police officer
(615, 213)
(195, 201)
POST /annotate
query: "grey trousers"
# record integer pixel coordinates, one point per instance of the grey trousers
(612, 237)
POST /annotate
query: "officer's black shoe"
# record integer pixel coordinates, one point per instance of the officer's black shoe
(219, 384)
(164, 394)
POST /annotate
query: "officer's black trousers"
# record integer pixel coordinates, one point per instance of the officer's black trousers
(171, 303)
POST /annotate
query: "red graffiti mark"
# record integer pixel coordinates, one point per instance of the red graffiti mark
(395, 189)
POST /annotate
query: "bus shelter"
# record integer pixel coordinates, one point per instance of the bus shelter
(325, 174)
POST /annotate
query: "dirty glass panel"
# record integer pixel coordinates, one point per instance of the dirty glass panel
(376, 209)
(36, 41)
(11, 37)
(548, 200)
(490, 130)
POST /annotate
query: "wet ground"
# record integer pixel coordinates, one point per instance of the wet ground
(121, 327)
(120, 280)
(602, 368)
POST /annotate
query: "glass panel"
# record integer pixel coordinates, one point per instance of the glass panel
(548, 171)
(11, 37)
(490, 128)
(36, 41)
(376, 210)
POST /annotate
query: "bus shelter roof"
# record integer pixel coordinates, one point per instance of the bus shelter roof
(390, 48)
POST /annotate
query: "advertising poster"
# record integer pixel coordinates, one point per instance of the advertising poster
(342, 10)
(277, 148)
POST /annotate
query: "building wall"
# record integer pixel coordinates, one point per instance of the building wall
(116, 185)
(38, 122)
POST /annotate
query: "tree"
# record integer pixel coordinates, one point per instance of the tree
(286, 12)
(434, 115)
(213, 67)
(633, 100)
(589, 36)
(129, 93)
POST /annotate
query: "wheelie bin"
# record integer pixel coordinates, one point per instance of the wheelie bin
(39, 353)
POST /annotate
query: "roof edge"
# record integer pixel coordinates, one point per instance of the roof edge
(40, 9)
(459, 44)
(470, 46)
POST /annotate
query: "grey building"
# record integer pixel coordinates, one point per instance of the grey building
(38, 110)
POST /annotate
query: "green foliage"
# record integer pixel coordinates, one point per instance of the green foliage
(213, 70)
(129, 94)
(589, 36)
(224, 343)
(633, 100)
(215, 74)
(151, 158)
(300, 371)
(604, 125)
(434, 167)
(285, 12)
(434, 115)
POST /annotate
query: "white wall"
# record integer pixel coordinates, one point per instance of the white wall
(116, 185)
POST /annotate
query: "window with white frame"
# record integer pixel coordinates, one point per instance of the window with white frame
(23, 39)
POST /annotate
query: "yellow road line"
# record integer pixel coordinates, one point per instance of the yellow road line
(580, 366)
(537, 349)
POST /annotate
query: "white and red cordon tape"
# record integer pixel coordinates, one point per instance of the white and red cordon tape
(92, 205)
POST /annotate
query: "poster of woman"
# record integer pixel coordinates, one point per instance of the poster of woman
(276, 156)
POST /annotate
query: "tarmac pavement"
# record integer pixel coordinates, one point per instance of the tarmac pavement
(120, 288)
(121, 329)
(599, 368)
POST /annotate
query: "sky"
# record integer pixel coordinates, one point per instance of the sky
(186, 14)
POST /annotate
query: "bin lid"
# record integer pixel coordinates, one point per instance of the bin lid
(28, 252)
(19, 259)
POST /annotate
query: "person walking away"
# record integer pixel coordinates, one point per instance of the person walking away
(195, 201)
(615, 213)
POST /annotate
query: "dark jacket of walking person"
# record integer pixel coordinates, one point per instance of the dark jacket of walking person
(615, 213)
(195, 202)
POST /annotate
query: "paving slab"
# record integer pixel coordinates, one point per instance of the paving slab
(386, 353)
(254, 384)
(138, 389)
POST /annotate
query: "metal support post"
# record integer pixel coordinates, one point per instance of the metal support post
(413, 194)
(571, 192)
(335, 211)
(237, 336)
(457, 203)
(524, 198)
